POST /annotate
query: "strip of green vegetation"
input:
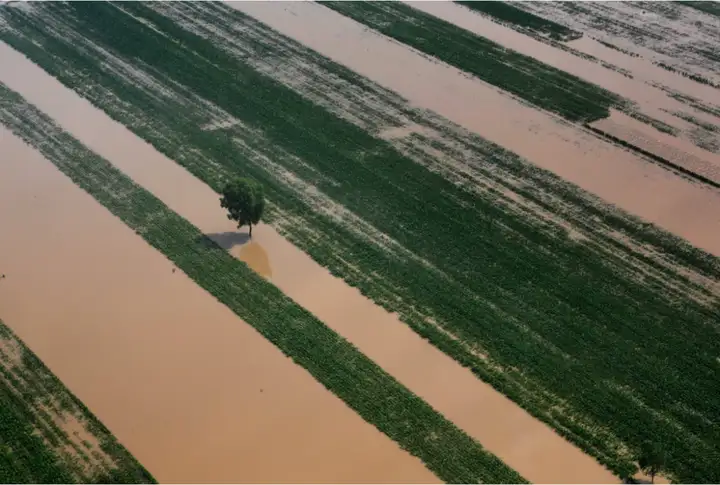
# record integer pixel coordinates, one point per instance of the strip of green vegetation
(539, 28)
(539, 84)
(709, 7)
(565, 328)
(505, 12)
(33, 447)
(372, 393)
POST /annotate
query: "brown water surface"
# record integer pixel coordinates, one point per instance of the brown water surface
(193, 392)
(644, 70)
(668, 147)
(505, 429)
(635, 89)
(614, 174)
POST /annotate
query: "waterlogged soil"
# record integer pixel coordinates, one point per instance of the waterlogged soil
(503, 428)
(193, 393)
(48, 436)
(676, 35)
(580, 157)
(648, 98)
(680, 153)
(643, 69)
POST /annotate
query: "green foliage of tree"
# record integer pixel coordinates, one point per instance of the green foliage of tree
(245, 201)
(651, 460)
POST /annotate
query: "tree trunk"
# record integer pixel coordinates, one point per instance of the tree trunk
(251, 230)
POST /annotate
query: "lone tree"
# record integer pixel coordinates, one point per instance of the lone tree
(245, 202)
(651, 460)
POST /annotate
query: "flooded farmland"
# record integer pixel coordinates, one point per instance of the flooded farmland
(193, 393)
(460, 265)
(647, 86)
(520, 440)
(621, 178)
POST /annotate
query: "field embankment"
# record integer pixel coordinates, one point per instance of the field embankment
(566, 304)
(48, 435)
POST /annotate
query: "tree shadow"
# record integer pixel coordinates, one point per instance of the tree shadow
(228, 240)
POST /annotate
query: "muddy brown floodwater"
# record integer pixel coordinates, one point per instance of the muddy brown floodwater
(505, 429)
(614, 174)
(668, 147)
(194, 393)
(640, 89)
(649, 97)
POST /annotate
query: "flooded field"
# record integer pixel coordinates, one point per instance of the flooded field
(677, 152)
(652, 91)
(621, 179)
(671, 34)
(48, 436)
(526, 444)
(194, 393)
(461, 261)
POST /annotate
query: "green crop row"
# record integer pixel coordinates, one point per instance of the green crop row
(505, 12)
(373, 394)
(33, 447)
(527, 78)
(600, 337)
(712, 8)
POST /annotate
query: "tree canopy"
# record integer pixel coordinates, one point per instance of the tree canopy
(244, 200)
(651, 460)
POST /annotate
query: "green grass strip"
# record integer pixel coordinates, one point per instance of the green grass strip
(33, 449)
(376, 396)
(527, 78)
(708, 7)
(506, 12)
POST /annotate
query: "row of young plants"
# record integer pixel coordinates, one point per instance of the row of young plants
(33, 447)
(506, 13)
(447, 451)
(529, 79)
(711, 8)
(564, 327)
